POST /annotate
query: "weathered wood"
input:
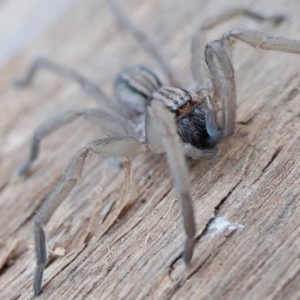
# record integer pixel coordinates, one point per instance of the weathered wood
(109, 247)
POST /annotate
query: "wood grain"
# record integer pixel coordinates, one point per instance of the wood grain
(111, 248)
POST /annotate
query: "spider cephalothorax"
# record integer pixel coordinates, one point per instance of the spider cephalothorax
(165, 111)
(190, 116)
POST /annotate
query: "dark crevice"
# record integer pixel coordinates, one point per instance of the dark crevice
(88, 237)
(216, 213)
(178, 284)
(6, 266)
(3, 186)
(273, 158)
(172, 265)
(248, 121)
(110, 267)
(51, 259)
(163, 196)
(11, 259)
(215, 253)
(200, 266)
(126, 209)
(205, 230)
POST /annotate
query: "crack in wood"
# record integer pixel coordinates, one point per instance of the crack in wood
(269, 163)
(216, 212)
(3, 186)
(204, 232)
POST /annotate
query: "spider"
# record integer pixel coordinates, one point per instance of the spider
(150, 116)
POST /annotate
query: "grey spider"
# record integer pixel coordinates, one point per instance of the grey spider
(151, 116)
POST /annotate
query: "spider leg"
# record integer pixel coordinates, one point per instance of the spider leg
(212, 125)
(119, 146)
(145, 42)
(217, 55)
(199, 74)
(223, 82)
(135, 86)
(260, 40)
(178, 167)
(42, 63)
(153, 132)
(114, 124)
(196, 153)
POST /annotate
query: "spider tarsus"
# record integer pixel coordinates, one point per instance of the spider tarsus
(277, 19)
(23, 171)
(38, 278)
(188, 251)
(41, 255)
(28, 77)
(20, 83)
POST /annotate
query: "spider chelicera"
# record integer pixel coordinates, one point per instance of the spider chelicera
(148, 115)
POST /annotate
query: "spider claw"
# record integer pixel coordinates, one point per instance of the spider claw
(23, 171)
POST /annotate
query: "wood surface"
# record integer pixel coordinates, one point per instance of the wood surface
(109, 246)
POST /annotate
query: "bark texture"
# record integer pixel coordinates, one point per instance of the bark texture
(109, 246)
